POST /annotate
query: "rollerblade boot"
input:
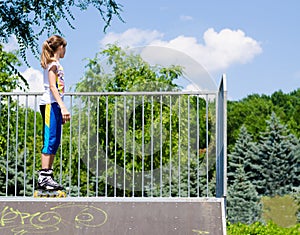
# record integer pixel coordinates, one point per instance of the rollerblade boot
(46, 181)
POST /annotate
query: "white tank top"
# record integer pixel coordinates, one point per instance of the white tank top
(47, 97)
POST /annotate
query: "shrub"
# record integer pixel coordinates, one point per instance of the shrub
(261, 229)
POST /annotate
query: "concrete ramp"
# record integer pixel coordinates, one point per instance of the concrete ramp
(112, 216)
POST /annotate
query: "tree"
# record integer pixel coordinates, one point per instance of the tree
(279, 156)
(252, 112)
(27, 20)
(8, 82)
(18, 153)
(135, 147)
(289, 109)
(9, 76)
(244, 154)
(243, 204)
(12, 140)
(127, 72)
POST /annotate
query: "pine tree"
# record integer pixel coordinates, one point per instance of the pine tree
(243, 204)
(245, 154)
(278, 156)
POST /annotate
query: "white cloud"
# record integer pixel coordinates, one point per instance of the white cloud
(230, 47)
(219, 51)
(131, 37)
(35, 80)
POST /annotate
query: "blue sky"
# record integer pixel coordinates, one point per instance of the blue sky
(255, 43)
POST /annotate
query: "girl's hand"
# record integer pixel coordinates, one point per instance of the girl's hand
(65, 115)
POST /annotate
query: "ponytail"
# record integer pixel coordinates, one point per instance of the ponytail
(49, 48)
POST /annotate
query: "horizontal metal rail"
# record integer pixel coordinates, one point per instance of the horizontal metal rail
(123, 93)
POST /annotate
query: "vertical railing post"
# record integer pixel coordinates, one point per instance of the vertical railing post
(221, 150)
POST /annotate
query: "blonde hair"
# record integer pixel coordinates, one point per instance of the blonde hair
(49, 48)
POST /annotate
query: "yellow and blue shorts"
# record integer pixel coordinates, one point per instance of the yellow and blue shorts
(52, 121)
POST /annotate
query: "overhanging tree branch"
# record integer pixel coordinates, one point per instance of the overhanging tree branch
(29, 19)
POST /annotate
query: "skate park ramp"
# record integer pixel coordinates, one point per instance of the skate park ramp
(117, 216)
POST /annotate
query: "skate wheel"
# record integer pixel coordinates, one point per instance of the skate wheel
(50, 194)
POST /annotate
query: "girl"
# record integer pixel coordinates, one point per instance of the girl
(52, 107)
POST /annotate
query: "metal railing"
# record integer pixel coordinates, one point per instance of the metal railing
(120, 144)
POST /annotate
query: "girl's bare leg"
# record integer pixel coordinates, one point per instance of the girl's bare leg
(47, 161)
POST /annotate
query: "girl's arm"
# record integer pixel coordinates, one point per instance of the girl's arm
(52, 83)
